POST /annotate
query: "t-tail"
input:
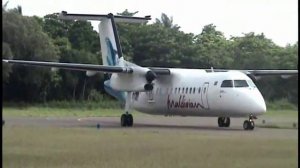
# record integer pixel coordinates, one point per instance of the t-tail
(109, 40)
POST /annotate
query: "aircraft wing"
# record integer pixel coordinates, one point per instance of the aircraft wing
(89, 68)
(270, 72)
(72, 66)
(130, 69)
(259, 72)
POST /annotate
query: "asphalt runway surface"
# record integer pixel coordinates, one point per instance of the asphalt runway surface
(153, 123)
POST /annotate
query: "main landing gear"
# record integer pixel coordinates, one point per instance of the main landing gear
(249, 124)
(224, 121)
(126, 120)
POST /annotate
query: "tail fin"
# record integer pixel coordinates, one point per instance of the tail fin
(109, 39)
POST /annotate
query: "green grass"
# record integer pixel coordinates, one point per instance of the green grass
(135, 148)
(284, 119)
(63, 104)
(61, 112)
(281, 104)
(282, 113)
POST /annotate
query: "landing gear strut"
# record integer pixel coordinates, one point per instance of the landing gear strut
(126, 118)
(249, 124)
(224, 121)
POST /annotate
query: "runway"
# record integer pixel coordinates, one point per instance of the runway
(153, 123)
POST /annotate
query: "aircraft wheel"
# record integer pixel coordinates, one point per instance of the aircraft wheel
(246, 124)
(123, 120)
(252, 125)
(227, 122)
(221, 122)
(129, 120)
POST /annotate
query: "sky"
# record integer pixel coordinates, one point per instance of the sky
(277, 19)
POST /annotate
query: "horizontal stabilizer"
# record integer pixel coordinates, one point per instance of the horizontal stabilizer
(128, 19)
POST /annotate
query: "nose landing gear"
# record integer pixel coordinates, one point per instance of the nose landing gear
(249, 124)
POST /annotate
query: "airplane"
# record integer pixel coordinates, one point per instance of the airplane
(168, 91)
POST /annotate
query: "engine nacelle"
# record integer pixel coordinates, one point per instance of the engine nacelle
(140, 80)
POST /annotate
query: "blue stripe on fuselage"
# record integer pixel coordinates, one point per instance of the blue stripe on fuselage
(117, 94)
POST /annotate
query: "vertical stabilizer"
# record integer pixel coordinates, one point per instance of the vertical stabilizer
(110, 49)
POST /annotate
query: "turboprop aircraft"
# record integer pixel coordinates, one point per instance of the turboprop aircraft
(169, 91)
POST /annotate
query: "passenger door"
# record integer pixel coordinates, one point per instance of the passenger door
(204, 95)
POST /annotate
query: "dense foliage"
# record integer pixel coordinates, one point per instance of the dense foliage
(159, 44)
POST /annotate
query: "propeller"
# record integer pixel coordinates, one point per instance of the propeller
(150, 76)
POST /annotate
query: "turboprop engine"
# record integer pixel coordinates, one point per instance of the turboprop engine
(141, 79)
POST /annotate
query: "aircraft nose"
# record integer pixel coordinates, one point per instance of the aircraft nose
(260, 105)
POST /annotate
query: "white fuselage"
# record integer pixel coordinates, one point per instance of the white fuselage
(194, 92)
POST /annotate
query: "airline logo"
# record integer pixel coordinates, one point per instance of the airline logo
(182, 102)
(112, 54)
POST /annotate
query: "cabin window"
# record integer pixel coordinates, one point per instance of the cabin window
(199, 90)
(191, 90)
(240, 83)
(175, 90)
(178, 90)
(182, 90)
(194, 90)
(216, 82)
(227, 83)
(186, 90)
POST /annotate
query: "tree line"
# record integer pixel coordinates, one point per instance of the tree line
(161, 44)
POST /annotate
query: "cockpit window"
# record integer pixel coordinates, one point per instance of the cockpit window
(240, 83)
(227, 83)
(250, 82)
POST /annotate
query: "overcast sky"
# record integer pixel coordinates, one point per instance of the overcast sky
(277, 19)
